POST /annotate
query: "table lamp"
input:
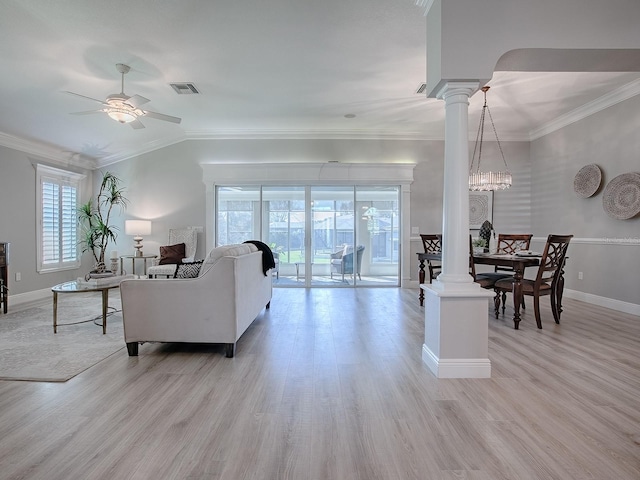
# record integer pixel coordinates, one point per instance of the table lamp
(137, 228)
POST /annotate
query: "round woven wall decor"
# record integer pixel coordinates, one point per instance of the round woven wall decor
(621, 198)
(587, 180)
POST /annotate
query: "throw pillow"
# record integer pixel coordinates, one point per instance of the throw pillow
(188, 270)
(172, 254)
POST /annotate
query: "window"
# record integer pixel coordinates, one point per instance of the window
(309, 225)
(57, 230)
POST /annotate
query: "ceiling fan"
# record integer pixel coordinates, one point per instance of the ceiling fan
(123, 108)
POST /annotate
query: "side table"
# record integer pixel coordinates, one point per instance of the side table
(133, 262)
(81, 287)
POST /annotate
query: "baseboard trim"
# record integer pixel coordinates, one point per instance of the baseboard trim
(35, 295)
(456, 367)
(618, 305)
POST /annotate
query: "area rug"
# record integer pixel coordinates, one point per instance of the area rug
(30, 351)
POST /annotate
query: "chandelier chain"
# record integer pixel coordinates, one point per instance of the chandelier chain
(487, 181)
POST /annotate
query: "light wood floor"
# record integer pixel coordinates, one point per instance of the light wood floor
(329, 385)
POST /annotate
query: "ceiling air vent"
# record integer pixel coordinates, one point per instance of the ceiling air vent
(421, 88)
(185, 88)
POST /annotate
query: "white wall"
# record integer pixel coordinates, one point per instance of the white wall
(166, 186)
(18, 220)
(606, 250)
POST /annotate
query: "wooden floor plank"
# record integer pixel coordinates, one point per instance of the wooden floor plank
(329, 384)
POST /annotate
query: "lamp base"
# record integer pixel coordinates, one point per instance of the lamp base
(138, 246)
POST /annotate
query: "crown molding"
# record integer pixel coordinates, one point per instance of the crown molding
(248, 134)
(147, 148)
(612, 98)
(48, 152)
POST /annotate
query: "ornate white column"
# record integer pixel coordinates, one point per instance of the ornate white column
(455, 221)
(456, 308)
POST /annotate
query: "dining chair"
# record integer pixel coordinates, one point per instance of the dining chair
(432, 243)
(484, 282)
(546, 281)
(508, 244)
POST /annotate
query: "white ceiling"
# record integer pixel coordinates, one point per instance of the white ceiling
(281, 68)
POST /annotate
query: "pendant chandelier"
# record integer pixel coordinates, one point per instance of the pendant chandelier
(487, 181)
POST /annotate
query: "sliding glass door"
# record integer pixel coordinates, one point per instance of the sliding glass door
(332, 234)
(338, 236)
(283, 229)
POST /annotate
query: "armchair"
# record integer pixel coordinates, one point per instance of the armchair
(189, 237)
(342, 261)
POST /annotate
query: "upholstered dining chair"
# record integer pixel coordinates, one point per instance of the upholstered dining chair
(432, 243)
(547, 278)
(508, 244)
(188, 236)
(484, 282)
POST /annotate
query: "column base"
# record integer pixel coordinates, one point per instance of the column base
(456, 334)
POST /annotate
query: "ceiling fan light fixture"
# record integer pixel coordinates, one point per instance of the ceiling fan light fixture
(121, 115)
(120, 110)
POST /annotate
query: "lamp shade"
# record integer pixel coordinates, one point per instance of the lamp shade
(137, 227)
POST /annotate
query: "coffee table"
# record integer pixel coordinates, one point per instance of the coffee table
(82, 287)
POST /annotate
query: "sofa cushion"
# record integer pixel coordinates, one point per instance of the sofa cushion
(226, 251)
(172, 254)
(188, 270)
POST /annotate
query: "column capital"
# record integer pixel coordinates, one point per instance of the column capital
(450, 89)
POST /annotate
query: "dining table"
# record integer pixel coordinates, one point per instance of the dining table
(519, 262)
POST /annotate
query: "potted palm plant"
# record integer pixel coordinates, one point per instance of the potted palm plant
(94, 219)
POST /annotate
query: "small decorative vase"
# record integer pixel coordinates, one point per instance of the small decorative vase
(114, 266)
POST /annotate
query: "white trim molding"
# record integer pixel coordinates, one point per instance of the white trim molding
(612, 98)
(625, 241)
(618, 305)
(307, 173)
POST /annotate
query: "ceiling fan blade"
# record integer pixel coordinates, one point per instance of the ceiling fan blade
(136, 124)
(88, 112)
(88, 98)
(137, 100)
(162, 116)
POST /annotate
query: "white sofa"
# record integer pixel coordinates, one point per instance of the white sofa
(215, 307)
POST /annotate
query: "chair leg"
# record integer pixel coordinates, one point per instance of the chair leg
(496, 303)
(504, 302)
(554, 309)
(536, 309)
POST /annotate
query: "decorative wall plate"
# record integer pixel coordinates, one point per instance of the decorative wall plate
(587, 180)
(480, 209)
(621, 198)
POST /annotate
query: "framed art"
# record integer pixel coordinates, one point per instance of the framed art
(480, 209)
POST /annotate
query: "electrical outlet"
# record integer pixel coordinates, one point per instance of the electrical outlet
(18, 276)
(580, 276)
